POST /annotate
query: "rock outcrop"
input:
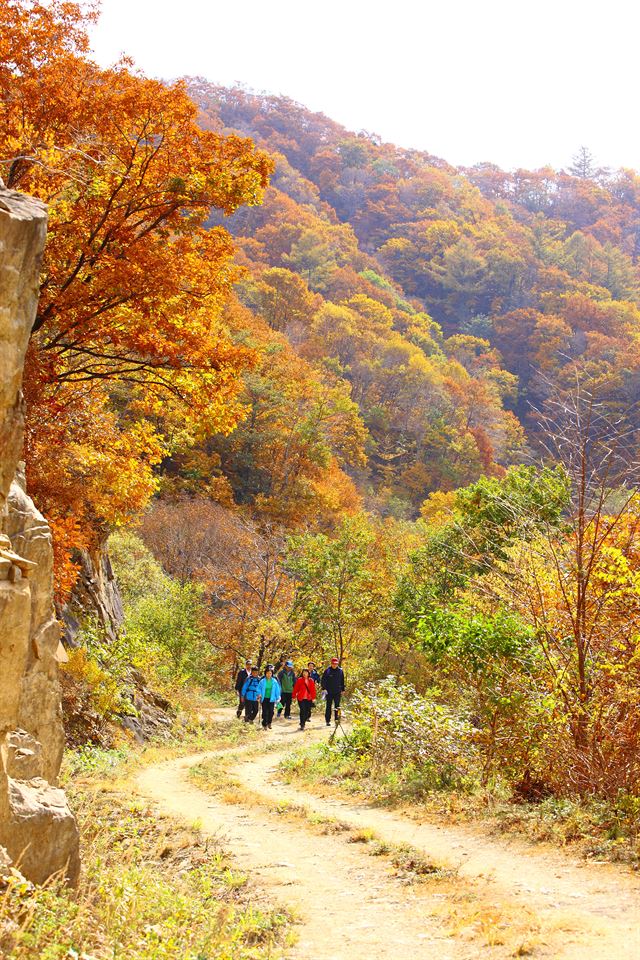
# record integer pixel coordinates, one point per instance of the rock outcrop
(37, 829)
(96, 594)
(154, 715)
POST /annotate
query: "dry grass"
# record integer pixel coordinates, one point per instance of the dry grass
(151, 889)
(592, 828)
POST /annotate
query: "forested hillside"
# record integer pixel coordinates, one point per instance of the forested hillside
(444, 303)
(398, 320)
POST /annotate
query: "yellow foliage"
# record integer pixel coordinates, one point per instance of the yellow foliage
(103, 689)
(437, 509)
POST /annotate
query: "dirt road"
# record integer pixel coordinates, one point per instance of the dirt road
(501, 899)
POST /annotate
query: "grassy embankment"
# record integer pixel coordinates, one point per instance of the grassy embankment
(151, 889)
(595, 828)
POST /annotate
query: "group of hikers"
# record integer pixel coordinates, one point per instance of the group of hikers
(275, 690)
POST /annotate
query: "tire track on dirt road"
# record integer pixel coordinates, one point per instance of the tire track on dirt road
(350, 907)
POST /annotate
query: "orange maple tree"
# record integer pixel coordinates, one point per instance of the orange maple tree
(133, 285)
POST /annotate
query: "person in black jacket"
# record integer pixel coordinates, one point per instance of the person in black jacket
(240, 679)
(333, 685)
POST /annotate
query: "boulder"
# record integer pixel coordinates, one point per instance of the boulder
(44, 832)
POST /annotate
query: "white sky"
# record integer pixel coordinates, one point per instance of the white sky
(515, 82)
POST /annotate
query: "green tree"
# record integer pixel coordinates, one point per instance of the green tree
(313, 258)
(332, 600)
(168, 624)
(485, 519)
(163, 633)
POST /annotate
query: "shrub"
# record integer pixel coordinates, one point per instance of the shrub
(166, 633)
(490, 665)
(413, 734)
(94, 688)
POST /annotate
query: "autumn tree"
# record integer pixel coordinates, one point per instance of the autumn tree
(132, 284)
(597, 450)
(524, 594)
(239, 563)
(283, 299)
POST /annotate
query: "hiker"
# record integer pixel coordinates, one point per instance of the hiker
(333, 685)
(250, 695)
(315, 676)
(268, 695)
(286, 679)
(305, 693)
(240, 679)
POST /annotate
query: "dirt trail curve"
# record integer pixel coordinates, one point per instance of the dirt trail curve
(352, 908)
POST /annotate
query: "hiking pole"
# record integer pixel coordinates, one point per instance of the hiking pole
(337, 726)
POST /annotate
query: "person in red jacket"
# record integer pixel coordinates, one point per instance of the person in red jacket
(304, 692)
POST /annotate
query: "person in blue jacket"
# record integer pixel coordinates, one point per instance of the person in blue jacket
(249, 694)
(268, 695)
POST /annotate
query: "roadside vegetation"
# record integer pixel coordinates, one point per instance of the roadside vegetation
(386, 762)
(151, 888)
(160, 656)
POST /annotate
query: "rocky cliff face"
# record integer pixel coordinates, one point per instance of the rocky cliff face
(96, 593)
(37, 830)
